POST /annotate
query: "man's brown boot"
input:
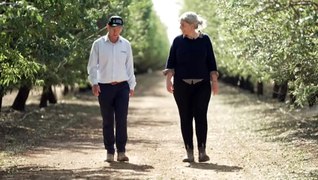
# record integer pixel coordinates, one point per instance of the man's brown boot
(122, 157)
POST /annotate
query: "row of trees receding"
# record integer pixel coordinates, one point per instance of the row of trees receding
(47, 42)
(266, 41)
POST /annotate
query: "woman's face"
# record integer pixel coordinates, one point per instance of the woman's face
(186, 28)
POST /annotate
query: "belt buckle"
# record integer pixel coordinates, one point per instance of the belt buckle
(114, 83)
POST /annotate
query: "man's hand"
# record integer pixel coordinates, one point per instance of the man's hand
(131, 93)
(96, 90)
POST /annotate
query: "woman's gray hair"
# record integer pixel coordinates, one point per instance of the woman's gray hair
(193, 18)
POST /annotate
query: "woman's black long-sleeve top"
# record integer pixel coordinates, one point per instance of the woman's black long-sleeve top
(192, 58)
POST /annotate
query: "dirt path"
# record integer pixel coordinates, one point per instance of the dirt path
(243, 142)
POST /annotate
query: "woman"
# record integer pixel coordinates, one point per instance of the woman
(191, 64)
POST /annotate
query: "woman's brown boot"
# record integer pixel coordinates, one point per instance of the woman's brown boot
(189, 157)
(203, 157)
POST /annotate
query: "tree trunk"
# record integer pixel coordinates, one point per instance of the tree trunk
(1, 102)
(275, 90)
(21, 98)
(283, 92)
(44, 97)
(260, 88)
(312, 99)
(241, 83)
(249, 84)
(47, 95)
(66, 90)
(51, 96)
(1, 96)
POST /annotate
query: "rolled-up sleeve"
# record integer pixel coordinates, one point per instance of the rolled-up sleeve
(92, 65)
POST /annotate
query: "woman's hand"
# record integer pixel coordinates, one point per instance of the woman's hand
(214, 82)
(169, 84)
(215, 87)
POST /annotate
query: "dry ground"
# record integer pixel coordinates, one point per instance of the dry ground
(248, 138)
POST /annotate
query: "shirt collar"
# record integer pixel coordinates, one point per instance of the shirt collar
(108, 40)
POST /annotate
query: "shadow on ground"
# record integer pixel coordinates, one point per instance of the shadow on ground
(68, 125)
(61, 122)
(290, 129)
(274, 120)
(129, 166)
(215, 167)
(36, 172)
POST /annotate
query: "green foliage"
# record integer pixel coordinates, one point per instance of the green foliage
(14, 68)
(148, 37)
(48, 41)
(17, 64)
(269, 40)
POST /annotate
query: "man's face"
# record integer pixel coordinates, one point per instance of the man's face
(114, 32)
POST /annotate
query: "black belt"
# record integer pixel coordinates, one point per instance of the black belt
(116, 82)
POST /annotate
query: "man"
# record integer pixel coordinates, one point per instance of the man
(111, 73)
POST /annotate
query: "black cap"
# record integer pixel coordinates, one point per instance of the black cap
(115, 21)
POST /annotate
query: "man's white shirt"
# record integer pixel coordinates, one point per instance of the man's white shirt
(111, 62)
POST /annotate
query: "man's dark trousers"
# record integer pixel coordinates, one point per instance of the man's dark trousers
(113, 100)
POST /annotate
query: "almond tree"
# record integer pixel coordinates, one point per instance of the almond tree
(47, 43)
(267, 40)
